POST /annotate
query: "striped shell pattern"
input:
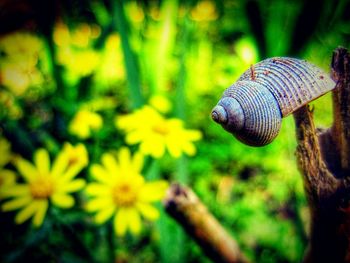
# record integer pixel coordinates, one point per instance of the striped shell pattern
(252, 108)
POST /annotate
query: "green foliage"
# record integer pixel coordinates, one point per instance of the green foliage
(112, 57)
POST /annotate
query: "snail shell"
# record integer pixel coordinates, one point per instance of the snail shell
(252, 108)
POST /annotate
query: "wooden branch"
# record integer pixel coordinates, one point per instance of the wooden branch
(324, 159)
(184, 206)
(341, 109)
(318, 180)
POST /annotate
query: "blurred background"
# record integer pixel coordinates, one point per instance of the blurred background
(111, 58)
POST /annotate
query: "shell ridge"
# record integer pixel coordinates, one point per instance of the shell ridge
(317, 81)
(256, 126)
(322, 80)
(263, 79)
(281, 87)
(294, 87)
(308, 74)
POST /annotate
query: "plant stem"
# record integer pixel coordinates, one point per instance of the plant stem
(130, 60)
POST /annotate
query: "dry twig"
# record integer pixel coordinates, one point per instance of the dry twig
(184, 206)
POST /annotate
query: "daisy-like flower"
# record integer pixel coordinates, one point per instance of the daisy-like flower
(156, 134)
(44, 183)
(83, 122)
(121, 192)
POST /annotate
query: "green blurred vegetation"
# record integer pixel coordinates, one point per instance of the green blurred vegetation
(112, 57)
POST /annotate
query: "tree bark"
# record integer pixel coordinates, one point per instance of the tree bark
(324, 160)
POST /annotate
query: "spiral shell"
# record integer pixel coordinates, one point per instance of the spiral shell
(252, 108)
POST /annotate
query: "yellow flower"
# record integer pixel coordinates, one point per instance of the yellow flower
(61, 34)
(77, 156)
(156, 134)
(122, 192)
(18, 77)
(43, 184)
(204, 11)
(83, 122)
(79, 62)
(19, 71)
(81, 36)
(75, 51)
(21, 46)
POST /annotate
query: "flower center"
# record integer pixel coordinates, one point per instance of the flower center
(73, 160)
(124, 194)
(161, 128)
(41, 188)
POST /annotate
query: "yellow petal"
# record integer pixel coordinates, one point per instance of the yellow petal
(16, 203)
(120, 222)
(193, 135)
(155, 148)
(71, 172)
(60, 164)
(27, 170)
(105, 214)
(95, 121)
(96, 189)
(175, 124)
(137, 162)
(42, 161)
(101, 174)
(99, 203)
(15, 190)
(39, 216)
(148, 211)
(110, 163)
(134, 220)
(72, 186)
(121, 122)
(174, 148)
(134, 137)
(124, 158)
(26, 213)
(153, 191)
(62, 200)
(189, 149)
(76, 154)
